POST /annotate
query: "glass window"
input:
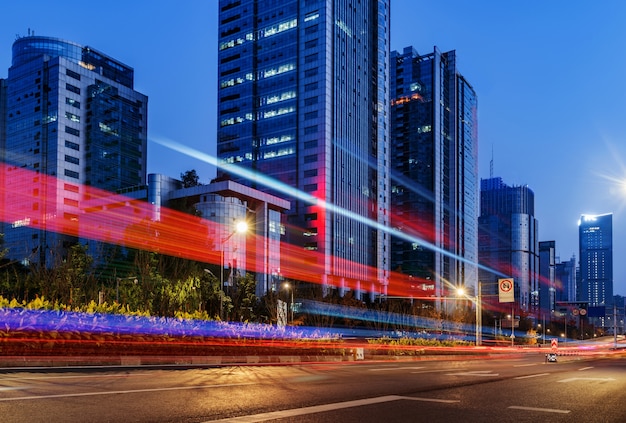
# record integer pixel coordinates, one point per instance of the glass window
(310, 87)
(72, 88)
(72, 145)
(72, 117)
(72, 102)
(72, 74)
(71, 159)
(72, 131)
(71, 173)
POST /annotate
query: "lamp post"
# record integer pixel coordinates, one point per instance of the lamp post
(240, 227)
(477, 300)
(290, 288)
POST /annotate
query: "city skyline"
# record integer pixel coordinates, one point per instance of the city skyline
(550, 91)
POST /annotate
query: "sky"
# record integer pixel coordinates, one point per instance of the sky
(550, 79)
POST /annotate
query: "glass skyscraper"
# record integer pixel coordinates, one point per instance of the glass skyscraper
(434, 190)
(73, 120)
(508, 240)
(303, 101)
(595, 237)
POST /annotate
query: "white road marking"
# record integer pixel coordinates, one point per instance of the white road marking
(545, 410)
(576, 379)
(474, 373)
(13, 388)
(382, 369)
(525, 365)
(432, 371)
(529, 376)
(585, 368)
(132, 391)
(284, 414)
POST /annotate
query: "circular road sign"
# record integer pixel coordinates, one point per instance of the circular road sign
(506, 285)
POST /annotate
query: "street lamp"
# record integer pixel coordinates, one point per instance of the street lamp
(241, 226)
(288, 287)
(477, 300)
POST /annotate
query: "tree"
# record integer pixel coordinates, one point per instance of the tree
(190, 179)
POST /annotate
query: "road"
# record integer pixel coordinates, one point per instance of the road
(519, 389)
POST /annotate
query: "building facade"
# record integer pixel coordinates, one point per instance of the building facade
(303, 106)
(508, 242)
(434, 156)
(197, 223)
(73, 119)
(595, 234)
(565, 280)
(547, 278)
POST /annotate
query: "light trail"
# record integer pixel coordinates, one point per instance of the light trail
(307, 198)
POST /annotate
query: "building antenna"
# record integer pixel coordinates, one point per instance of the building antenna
(491, 164)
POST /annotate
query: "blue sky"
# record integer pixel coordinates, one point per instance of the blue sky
(550, 78)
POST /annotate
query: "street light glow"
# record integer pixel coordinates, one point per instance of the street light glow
(241, 226)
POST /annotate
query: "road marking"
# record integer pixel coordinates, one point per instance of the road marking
(585, 368)
(525, 365)
(284, 414)
(432, 371)
(576, 379)
(474, 373)
(133, 391)
(545, 410)
(13, 388)
(382, 369)
(445, 401)
(529, 376)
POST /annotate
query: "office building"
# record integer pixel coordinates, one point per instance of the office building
(73, 120)
(565, 280)
(302, 114)
(595, 234)
(508, 245)
(434, 160)
(547, 278)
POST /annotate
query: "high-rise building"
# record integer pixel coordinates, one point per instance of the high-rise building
(303, 102)
(508, 245)
(73, 120)
(565, 280)
(595, 234)
(434, 156)
(547, 277)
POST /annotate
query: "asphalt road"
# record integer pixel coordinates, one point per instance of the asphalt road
(522, 389)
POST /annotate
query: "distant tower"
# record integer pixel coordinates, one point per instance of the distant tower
(72, 115)
(595, 234)
(547, 278)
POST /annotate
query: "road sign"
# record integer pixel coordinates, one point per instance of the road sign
(554, 343)
(506, 290)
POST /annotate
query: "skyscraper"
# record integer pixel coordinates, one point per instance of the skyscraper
(434, 190)
(303, 101)
(508, 242)
(73, 120)
(565, 280)
(595, 234)
(547, 278)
